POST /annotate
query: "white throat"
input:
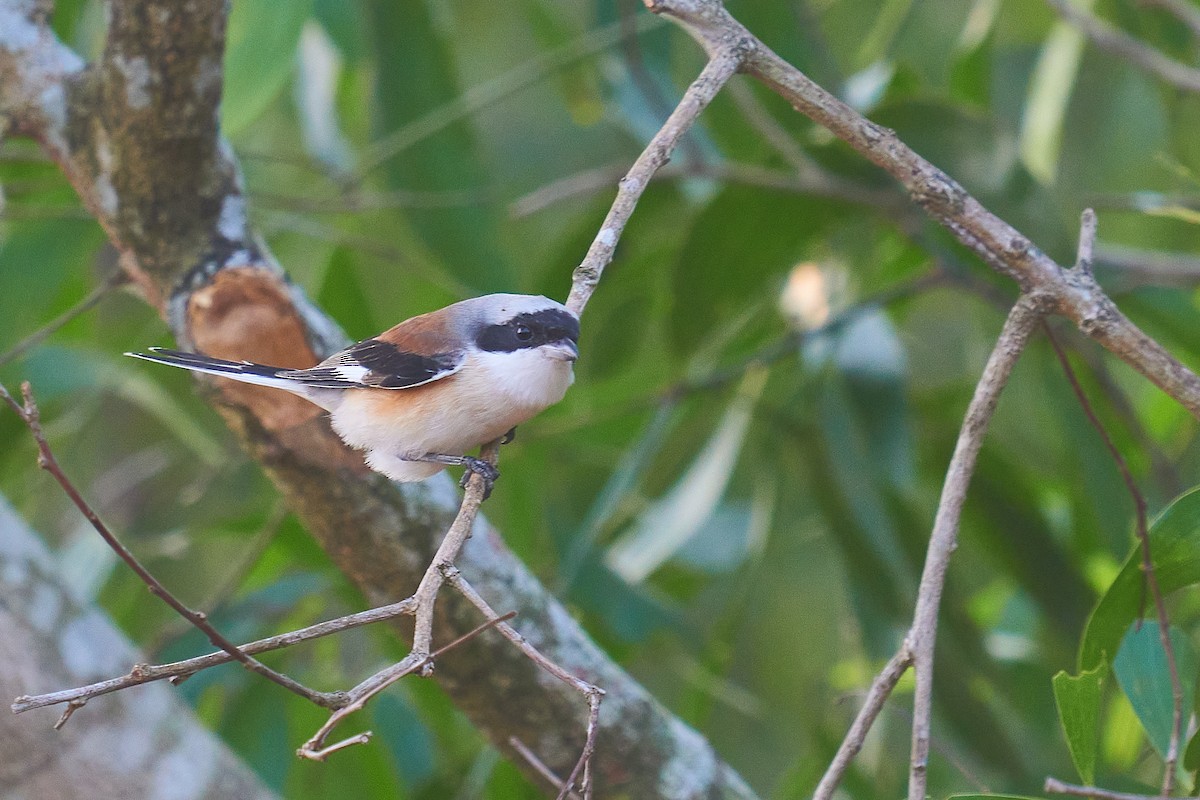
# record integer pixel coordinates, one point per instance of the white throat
(525, 378)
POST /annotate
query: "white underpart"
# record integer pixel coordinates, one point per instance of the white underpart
(491, 394)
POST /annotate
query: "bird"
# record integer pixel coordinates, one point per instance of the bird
(419, 396)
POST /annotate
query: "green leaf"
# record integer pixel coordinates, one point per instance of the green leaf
(1175, 548)
(259, 56)
(406, 737)
(1141, 669)
(1191, 756)
(1078, 700)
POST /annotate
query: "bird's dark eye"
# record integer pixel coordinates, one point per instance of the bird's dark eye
(524, 333)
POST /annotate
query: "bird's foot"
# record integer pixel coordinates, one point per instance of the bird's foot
(509, 437)
(483, 469)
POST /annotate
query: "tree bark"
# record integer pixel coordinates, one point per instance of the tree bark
(129, 744)
(137, 135)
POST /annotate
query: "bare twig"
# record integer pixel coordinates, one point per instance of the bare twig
(28, 412)
(358, 202)
(1055, 786)
(811, 182)
(1087, 238)
(315, 749)
(1143, 536)
(878, 694)
(1120, 43)
(722, 66)
(143, 673)
(1005, 249)
(755, 112)
(539, 766)
(653, 95)
(593, 694)
(1020, 324)
(1084, 258)
(447, 552)
(918, 646)
(480, 97)
(1141, 266)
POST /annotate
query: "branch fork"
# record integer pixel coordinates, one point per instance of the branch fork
(420, 605)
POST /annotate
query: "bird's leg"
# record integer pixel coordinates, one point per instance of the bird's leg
(509, 437)
(476, 465)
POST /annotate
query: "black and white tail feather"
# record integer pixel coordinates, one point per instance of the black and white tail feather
(314, 388)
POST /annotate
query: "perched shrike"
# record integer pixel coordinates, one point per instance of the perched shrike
(418, 396)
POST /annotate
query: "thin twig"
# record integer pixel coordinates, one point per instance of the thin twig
(917, 648)
(653, 95)
(1021, 322)
(28, 412)
(1120, 43)
(1055, 786)
(316, 750)
(593, 694)
(812, 182)
(539, 766)
(722, 66)
(358, 202)
(480, 97)
(447, 552)
(1084, 258)
(756, 113)
(1153, 266)
(1087, 239)
(144, 673)
(878, 694)
(1143, 536)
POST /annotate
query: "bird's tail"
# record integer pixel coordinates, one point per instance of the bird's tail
(244, 371)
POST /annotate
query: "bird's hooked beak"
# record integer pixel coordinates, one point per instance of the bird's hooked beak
(562, 350)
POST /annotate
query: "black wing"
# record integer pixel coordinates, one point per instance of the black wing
(377, 364)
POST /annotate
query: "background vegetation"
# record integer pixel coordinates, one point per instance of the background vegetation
(736, 494)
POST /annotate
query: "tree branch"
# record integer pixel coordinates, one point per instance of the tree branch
(1070, 293)
(1121, 44)
(1055, 786)
(28, 412)
(918, 646)
(1021, 322)
(715, 75)
(143, 673)
(221, 292)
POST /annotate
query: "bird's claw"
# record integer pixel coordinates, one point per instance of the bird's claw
(483, 469)
(509, 437)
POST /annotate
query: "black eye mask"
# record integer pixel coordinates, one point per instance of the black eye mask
(550, 325)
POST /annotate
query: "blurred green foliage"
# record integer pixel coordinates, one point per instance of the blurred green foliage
(387, 147)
